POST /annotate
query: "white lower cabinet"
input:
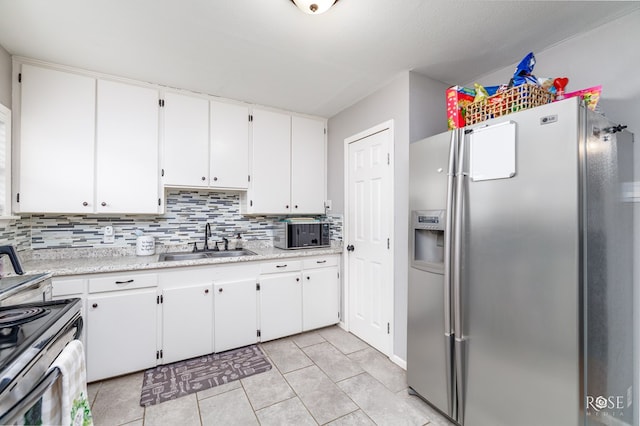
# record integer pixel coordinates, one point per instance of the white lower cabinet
(121, 332)
(235, 314)
(280, 300)
(320, 293)
(187, 322)
(137, 320)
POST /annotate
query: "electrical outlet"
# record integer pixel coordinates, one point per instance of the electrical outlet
(108, 235)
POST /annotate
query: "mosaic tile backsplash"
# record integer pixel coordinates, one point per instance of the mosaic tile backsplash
(184, 220)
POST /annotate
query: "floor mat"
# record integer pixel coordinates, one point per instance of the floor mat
(182, 378)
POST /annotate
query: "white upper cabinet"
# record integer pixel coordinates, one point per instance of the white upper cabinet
(186, 140)
(86, 145)
(206, 143)
(288, 165)
(308, 177)
(56, 146)
(229, 145)
(127, 149)
(270, 191)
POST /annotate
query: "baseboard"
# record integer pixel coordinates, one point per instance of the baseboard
(398, 361)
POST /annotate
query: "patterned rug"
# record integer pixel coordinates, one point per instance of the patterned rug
(172, 381)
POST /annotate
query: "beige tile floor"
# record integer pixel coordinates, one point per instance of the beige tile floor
(323, 377)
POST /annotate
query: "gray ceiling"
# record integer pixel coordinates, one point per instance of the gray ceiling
(270, 53)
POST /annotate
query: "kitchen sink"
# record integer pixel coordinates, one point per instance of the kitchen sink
(210, 254)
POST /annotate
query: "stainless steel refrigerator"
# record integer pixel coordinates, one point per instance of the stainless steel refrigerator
(521, 270)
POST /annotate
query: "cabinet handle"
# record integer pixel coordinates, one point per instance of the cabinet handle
(296, 206)
(219, 290)
(321, 261)
(206, 291)
(85, 204)
(281, 266)
(287, 207)
(204, 178)
(308, 277)
(297, 279)
(124, 282)
(95, 305)
(103, 204)
(215, 178)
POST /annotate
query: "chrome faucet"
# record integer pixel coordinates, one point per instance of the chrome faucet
(207, 234)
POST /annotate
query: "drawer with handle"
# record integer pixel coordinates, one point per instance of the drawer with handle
(285, 265)
(122, 282)
(320, 262)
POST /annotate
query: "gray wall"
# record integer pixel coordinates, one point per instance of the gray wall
(408, 98)
(427, 107)
(5, 78)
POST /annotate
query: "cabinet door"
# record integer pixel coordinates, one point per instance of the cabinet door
(187, 322)
(229, 145)
(121, 333)
(308, 165)
(235, 313)
(126, 149)
(270, 166)
(280, 305)
(186, 141)
(57, 133)
(320, 298)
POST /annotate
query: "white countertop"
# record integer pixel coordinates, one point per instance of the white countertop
(65, 265)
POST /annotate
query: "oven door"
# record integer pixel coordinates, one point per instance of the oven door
(33, 386)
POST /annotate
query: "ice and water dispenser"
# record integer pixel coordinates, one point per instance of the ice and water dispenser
(427, 240)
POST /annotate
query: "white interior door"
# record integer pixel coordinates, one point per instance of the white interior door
(369, 216)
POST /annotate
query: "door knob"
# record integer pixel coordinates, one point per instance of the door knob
(350, 247)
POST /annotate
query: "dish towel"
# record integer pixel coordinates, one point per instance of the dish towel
(66, 401)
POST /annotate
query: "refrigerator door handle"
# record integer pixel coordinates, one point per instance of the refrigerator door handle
(448, 238)
(457, 240)
(448, 233)
(460, 344)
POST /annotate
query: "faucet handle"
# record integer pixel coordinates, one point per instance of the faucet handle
(215, 248)
(195, 247)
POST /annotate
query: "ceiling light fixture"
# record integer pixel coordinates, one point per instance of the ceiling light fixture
(314, 7)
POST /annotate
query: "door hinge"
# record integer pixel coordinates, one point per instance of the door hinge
(338, 275)
(161, 103)
(18, 197)
(250, 203)
(250, 118)
(388, 328)
(258, 333)
(325, 130)
(159, 202)
(388, 244)
(162, 173)
(248, 178)
(20, 77)
(388, 158)
(257, 286)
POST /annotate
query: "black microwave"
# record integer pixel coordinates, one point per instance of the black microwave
(299, 235)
